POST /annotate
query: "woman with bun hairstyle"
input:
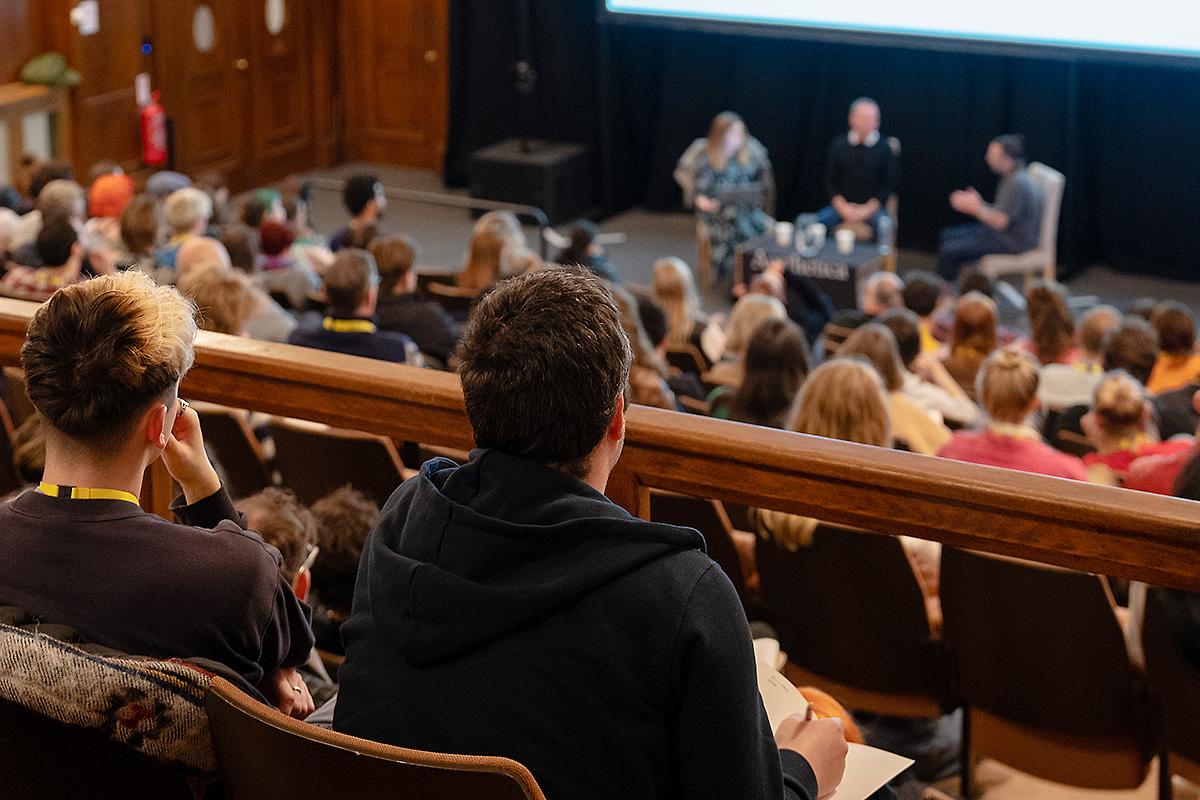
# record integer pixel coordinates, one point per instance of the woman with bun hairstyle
(1121, 426)
(1007, 389)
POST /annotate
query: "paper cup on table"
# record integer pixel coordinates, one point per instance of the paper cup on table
(845, 241)
(817, 234)
(784, 231)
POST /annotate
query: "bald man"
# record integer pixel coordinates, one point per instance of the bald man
(861, 171)
(270, 322)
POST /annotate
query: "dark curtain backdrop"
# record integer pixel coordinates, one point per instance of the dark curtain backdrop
(1125, 135)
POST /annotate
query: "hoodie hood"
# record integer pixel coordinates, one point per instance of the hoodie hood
(466, 555)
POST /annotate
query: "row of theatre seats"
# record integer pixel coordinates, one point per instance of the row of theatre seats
(1031, 652)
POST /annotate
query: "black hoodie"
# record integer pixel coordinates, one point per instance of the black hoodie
(505, 608)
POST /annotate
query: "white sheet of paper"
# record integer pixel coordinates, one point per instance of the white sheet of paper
(867, 769)
(766, 651)
(780, 697)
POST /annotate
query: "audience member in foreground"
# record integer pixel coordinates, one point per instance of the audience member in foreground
(1008, 383)
(402, 308)
(748, 313)
(268, 322)
(352, 289)
(103, 360)
(777, 362)
(344, 518)
(506, 606)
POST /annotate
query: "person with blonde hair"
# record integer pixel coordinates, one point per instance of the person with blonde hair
(186, 212)
(675, 290)
(919, 430)
(648, 373)
(727, 177)
(1007, 390)
(224, 298)
(103, 362)
(482, 270)
(1121, 426)
(748, 313)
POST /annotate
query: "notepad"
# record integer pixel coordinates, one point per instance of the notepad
(867, 768)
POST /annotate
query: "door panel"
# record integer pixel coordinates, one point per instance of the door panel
(282, 134)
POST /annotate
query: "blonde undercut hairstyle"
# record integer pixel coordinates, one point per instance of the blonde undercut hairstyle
(1007, 385)
(185, 208)
(99, 352)
(844, 399)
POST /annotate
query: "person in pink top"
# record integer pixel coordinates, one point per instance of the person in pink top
(1157, 473)
(1121, 426)
(1007, 389)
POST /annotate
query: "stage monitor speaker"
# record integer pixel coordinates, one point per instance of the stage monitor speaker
(554, 176)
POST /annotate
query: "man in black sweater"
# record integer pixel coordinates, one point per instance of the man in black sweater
(507, 607)
(861, 171)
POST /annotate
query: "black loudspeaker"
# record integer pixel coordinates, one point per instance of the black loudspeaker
(554, 176)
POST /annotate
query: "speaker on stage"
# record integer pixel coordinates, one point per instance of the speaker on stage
(554, 176)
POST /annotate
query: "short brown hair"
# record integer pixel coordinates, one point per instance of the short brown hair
(344, 518)
(876, 343)
(394, 258)
(284, 523)
(100, 351)
(141, 225)
(543, 360)
(1133, 347)
(224, 298)
(1051, 324)
(1096, 326)
(974, 323)
(1175, 326)
(349, 279)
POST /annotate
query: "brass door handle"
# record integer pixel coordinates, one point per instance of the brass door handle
(431, 56)
(241, 64)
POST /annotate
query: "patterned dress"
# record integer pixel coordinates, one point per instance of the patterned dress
(735, 223)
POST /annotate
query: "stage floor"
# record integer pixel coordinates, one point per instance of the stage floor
(443, 234)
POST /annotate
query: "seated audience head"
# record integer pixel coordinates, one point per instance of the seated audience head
(352, 284)
(1051, 324)
(545, 366)
(289, 527)
(224, 298)
(504, 224)
(844, 399)
(241, 242)
(881, 292)
(109, 194)
(906, 327)
(645, 355)
(187, 211)
(1133, 347)
(264, 205)
(164, 183)
(46, 172)
(1006, 153)
(748, 313)
(1120, 412)
(517, 260)
(864, 117)
(777, 362)
(101, 168)
(728, 138)
(922, 293)
(482, 269)
(63, 199)
(197, 251)
(675, 290)
(363, 197)
(1007, 386)
(344, 518)
(142, 225)
(974, 324)
(58, 244)
(362, 236)
(876, 344)
(1176, 328)
(1095, 327)
(769, 283)
(275, 238)
(395, 258)
(583, 246)
(103, 360)
(1143, 307)
(973, 279)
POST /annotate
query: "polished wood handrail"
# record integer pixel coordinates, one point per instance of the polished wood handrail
(1094, 528)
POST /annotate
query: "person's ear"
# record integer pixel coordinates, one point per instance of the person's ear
(154, 423)
(302, 585)
(616, 426)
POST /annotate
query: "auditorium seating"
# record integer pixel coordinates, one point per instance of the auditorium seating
(1043, 258)
(1043, 673)
(266, 755)
(708, 517)
(456, 300)
(313, 460)
(688, 360)
(1176, 688)
(852, 618)
(231, 441)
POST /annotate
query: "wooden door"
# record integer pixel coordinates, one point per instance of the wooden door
(395, 81)
(282, 137)
(202, 68)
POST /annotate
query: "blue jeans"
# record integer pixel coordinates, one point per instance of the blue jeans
(961, 244)
(830, 218)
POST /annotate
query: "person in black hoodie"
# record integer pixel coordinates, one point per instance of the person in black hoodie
(507, 607)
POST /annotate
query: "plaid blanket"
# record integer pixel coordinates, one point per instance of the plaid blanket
(155, 707)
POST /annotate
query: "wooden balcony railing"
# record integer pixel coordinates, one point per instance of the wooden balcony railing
(1093, 528)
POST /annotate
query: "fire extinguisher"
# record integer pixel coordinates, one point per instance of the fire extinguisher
(154, 132)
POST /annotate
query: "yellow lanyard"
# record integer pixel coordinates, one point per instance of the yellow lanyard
(348, 325)
(85, 493)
